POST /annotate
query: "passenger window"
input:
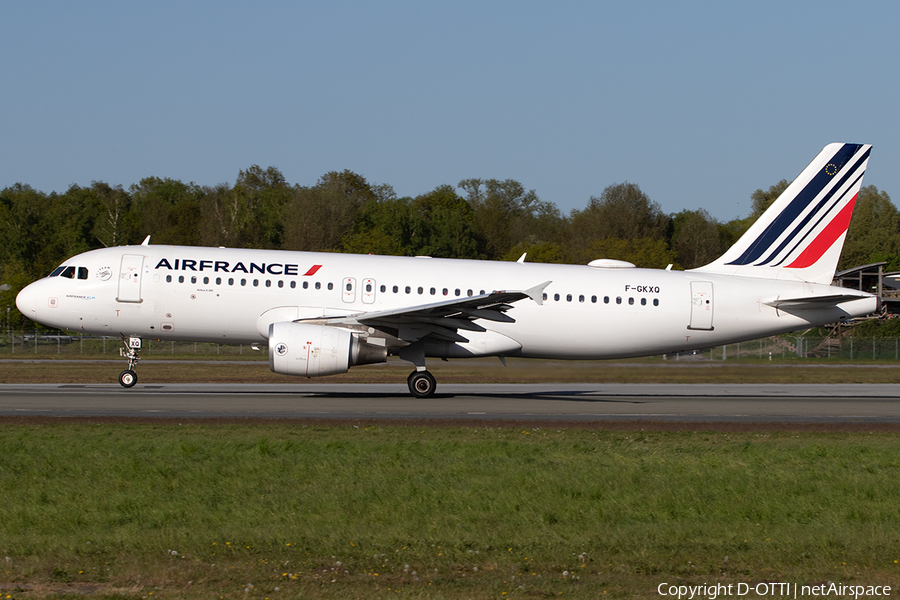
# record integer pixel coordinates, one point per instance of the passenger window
(656, 302)
(193, 279)
(330, 286)
(305, 285)
(293, 284)
(421, 290)
(605, 299)
(168, 279)
(581, 298)
(568, 297)
(556, 297)
(181, 279)
(432, 291)
(256, 283)
(445, 292)
(631, 301)
(318, 285)
(206, 281)
(82, 273)
(469, 293)
(618, 299)
(396, 289)
(268, 283)
(218, 281)
(643, 302)
(457, 291)
(231, 281)
(545, 295)
(594, 299)
(408, 289)
(481, 293)
(280, 283)
(243, 282)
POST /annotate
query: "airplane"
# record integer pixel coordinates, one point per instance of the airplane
(322, 313)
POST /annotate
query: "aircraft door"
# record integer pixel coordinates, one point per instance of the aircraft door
(349, 289)
(368, 291)
(132, 268)
(701, 305)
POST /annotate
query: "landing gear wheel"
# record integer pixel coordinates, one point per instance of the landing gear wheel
(421, 384)
(128, 378)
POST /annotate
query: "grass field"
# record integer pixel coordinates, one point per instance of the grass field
(172, 510)
(235, 370)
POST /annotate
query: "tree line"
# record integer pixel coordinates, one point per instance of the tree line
(343, 212)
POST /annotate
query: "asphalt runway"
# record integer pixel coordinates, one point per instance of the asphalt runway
(691, 403)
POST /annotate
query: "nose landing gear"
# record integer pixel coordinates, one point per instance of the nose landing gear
(131, 351)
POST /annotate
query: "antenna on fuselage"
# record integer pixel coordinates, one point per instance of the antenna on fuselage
(146, 241)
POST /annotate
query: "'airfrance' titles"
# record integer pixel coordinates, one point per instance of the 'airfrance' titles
(216, 266)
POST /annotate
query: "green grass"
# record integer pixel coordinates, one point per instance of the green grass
(408, 512)
(152, 370)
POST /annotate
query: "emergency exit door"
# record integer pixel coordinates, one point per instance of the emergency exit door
(130, 278)
(701, 305)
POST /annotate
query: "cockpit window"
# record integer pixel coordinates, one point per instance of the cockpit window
(70, 272)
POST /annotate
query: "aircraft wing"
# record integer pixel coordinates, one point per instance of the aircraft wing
(441, 320)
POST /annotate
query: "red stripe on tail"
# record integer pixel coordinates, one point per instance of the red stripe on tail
(825, 239)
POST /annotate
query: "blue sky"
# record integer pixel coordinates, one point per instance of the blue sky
(699, 103)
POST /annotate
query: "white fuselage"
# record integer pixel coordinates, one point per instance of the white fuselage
(232, 295)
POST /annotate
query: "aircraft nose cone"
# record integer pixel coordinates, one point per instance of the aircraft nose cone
(25, 301)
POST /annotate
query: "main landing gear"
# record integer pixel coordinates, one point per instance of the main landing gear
(421, 384)
(131, 351)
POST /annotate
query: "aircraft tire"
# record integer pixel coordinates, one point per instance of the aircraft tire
(127, 378)
(421, 384)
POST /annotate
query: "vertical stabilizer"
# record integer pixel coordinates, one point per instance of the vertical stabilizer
(801, 235)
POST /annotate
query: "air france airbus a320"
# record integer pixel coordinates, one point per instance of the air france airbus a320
(323, 313)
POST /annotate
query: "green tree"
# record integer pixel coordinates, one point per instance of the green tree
(444, 225)
(622, 212)
(761, 200)
(166, 209)
(697, 238)
(505, 214)
(874, 232)
(26, 232)
(539, 252)
(318, 218)
(381, 227)
(646, 253)
(248, 215)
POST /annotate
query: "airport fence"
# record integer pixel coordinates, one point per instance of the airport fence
(787, 347)
(65, 343)
(784, 347)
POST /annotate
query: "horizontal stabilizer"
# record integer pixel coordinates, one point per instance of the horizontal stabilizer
(814, 302)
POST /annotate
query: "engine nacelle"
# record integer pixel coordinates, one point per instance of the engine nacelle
(316, 350)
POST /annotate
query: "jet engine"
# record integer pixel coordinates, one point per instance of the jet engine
(316, 350)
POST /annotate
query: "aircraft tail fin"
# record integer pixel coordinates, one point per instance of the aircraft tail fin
(801, 235)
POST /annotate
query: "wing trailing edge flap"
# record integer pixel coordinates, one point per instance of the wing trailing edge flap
(442, 319)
